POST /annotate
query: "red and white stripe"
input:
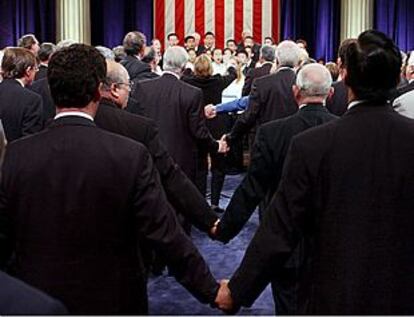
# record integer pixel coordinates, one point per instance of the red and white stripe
(225, 18)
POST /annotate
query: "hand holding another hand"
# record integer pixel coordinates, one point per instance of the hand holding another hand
(223, 146)
(210, 111)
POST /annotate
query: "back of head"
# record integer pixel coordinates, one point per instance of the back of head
(106, 52)
(333, 69)
(373, 66)
(150, 55)
(134, 42)
(314, 80)
(288, 54)
(16, 61)
(342, 50)
(65, 43)
(75, 74)
(26, 41)
(203, 66)
(268, 53)
(45, 51)
(175, 59)
(119, 53)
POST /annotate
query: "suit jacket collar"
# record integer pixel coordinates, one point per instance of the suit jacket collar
(12, 81)
(313, 107)
(169, 75)
(72, 121)
(107, 103)
(370, 106)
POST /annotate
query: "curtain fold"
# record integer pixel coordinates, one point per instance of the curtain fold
(356, 17)
(112, 19)
(316, 21)
(395, 18)
(73, 20)
(19, 17)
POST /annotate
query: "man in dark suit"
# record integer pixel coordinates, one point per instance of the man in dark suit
(18, 298)
(20, 108)
(271, 97)
(346, 189)
(338, 102)
(45, 52)
(267, 58)
(111, 117)
(98, 194)
(41, 87)
(134, 46)
(177, 109)
(313, 85)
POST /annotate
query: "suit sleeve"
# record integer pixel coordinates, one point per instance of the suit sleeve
(155, 221)
(278, 234)
(226, 80)
(33, 116)
(247, 120)
(6, 231)
(134, 105)
(247, 83)
(250, 192)
(197, 123)
(192, 205)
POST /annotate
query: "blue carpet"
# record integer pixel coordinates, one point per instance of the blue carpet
(167, 297)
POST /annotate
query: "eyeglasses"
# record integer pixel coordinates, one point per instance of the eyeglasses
(129, 84)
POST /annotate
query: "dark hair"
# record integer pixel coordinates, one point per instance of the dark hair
(373, 66)
(230, 41)
(189, 37)
(209, 33)
(134, 42)
(45, 51)
(172, 34)
(270, 38)
(26, 41)
(301, 41)
(249, 37)
(74, 75)
(150, 56)
(227, 49)
(343, 48)
(242, 51)
(191, 49)
(16, 61)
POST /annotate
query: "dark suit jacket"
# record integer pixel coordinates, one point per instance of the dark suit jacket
(338, 102)
(192, 205)
(253, 74)
(177, 109)
(137, 69)
(20, 110)
(265, 170)
(98, 194)
(347, 187)
(18, 298)
(271, 98)
(42, 73)
(41, 87)
(212, 88)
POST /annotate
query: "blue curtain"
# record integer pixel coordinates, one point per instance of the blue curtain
(112, 19)
(19, 17)
(396, 18)
(316, 21)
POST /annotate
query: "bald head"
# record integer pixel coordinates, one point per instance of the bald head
(116, 86)
(314, 80)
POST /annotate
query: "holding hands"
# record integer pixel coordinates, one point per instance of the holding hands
(210, 111)
(223, 146)
(223, 299)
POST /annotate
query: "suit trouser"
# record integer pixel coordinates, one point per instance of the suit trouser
(285, 289)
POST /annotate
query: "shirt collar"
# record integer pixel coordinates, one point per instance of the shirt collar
(310, 104)
(171, 73)
(354, 103)
(74, 113)
(20, 82)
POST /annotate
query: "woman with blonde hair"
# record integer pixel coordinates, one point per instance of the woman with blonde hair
(212, 87)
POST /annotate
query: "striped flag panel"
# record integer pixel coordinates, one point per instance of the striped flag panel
(226, 18)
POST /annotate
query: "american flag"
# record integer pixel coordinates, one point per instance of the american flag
(226, 18)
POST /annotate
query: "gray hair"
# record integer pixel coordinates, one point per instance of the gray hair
(268, 53)
(175, 59)
(65, 43)
(288, 54)
(314, 80)
(106, 52)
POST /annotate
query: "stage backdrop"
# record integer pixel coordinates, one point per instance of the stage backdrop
(226, 18)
